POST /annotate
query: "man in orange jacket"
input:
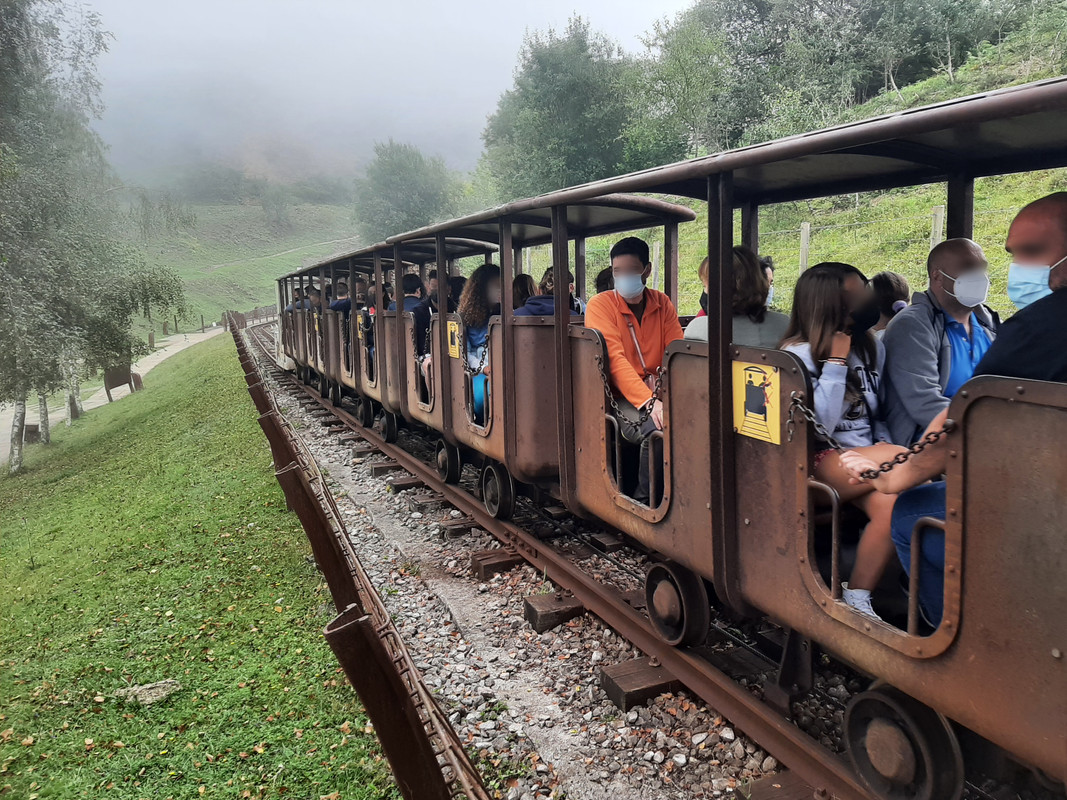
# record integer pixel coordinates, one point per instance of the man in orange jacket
(637, 324)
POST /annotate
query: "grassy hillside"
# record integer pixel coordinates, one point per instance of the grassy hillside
(232, 257)
(151, 542)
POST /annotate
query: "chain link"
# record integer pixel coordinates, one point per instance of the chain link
(797, 405)
(645, 411)
(481, 362)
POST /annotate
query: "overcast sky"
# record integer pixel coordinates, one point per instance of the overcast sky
(316, 82)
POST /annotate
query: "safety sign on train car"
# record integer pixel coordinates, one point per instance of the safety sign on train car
(757, 402)
(453, 339)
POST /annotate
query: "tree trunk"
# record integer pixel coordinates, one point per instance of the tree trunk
(42, 407)
(18, 429)
(74, 393)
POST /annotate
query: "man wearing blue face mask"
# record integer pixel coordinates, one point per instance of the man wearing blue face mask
(1030, 345)
(637, 324)
(933, 345)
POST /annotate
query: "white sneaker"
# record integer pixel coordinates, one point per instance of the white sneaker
(859, 599)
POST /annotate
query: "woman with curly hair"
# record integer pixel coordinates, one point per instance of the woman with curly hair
(480, 301)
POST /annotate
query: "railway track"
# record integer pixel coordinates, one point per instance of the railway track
(727, 671)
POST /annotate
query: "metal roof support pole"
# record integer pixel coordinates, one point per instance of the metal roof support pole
(579, 267)
(402, 365)
(511, 355)
(564, 379)
(376, 326)
(721, 483)
(670, 261)
(959, 216)
(441, 367)
(750, 225)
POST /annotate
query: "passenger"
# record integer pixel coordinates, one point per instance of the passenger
(387, 294)
(637, 324)
(343, 303)
(768, 268)
(522, 289)
(1030, 346)
(833, 312)
(605, 281)
(702, 273)
(480, 301)
(431, 283)
(754, 324)
(422, 314)
(359, 299)
(314, 301)
(933, 346)
(411, 284)
(892, 292)
(455, 291)
(298, 300)
(543, 304)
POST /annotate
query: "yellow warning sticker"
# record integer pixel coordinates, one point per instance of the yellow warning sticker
(757, 406)
(453, 339)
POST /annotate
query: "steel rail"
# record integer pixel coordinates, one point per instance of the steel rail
(830, 774)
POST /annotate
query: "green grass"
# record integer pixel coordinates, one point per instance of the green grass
(228, 260)
(151, 541)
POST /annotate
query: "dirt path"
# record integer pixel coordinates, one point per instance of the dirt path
(169, 346)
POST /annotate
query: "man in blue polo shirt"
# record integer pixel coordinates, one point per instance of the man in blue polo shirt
(933, 345)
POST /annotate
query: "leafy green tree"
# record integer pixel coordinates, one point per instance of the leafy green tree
(66, 272)
(562, 122)
(403, 189)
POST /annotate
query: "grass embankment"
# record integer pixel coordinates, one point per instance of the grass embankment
(230, 260)
(151, 542)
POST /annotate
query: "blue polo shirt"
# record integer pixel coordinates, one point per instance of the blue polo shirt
(967, 351)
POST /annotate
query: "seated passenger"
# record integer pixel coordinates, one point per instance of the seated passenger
(892, 292)
(343, 303)
(412, 287)
(933, 345)
(702, 273)
(298, 300)
(1030, 346)
(543, 304)
(637, 324)
(431, 284)
(359, 297)
(480, 301)
(768, 268)
(829, 331)
(754, 324)
(522, 289)
(422, 315)
(605, 281)
(314, 299)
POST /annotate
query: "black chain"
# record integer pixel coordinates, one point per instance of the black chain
(481, 361)
(645, 411)
(797, 405)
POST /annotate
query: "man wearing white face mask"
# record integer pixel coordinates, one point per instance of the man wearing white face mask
(637, 324)
(933, 345)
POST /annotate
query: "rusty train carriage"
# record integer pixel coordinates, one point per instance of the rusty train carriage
(738, 509)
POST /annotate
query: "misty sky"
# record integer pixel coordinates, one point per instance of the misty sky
(272, 85)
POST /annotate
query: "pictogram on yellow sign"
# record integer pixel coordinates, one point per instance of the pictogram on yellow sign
(453, 339)
(757, 405)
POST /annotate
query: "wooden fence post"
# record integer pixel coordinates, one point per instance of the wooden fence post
(937, 226)
(655, 265)
(805, 243)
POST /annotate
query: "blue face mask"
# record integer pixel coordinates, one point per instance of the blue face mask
(629, 287)
(1028, 283)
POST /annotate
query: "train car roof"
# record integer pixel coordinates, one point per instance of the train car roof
(414, 253)
(531, 220)
(1016, 129)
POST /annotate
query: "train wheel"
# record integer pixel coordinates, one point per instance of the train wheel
(677, 604)
(449, 462)
(364, 412)
(498, 490)
(335, 393)
(324, 386)
(388, 426)
(902, 749)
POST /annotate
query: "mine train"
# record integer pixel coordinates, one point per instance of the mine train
(739, 522)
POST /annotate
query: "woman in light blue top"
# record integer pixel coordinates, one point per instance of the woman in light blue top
(480, 301)
(830, 331)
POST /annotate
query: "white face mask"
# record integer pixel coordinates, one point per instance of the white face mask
(972, 288)
(770, 296)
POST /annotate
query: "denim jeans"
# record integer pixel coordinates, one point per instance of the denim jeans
(911, 506)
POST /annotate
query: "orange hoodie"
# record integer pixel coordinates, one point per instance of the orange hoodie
(608, 313)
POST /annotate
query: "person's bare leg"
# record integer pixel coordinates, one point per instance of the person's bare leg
(875, 548)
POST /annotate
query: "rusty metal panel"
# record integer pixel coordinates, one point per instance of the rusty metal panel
(387, 357)
(681, 527)
(428, 413)
(535, 456)
(332, 344)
